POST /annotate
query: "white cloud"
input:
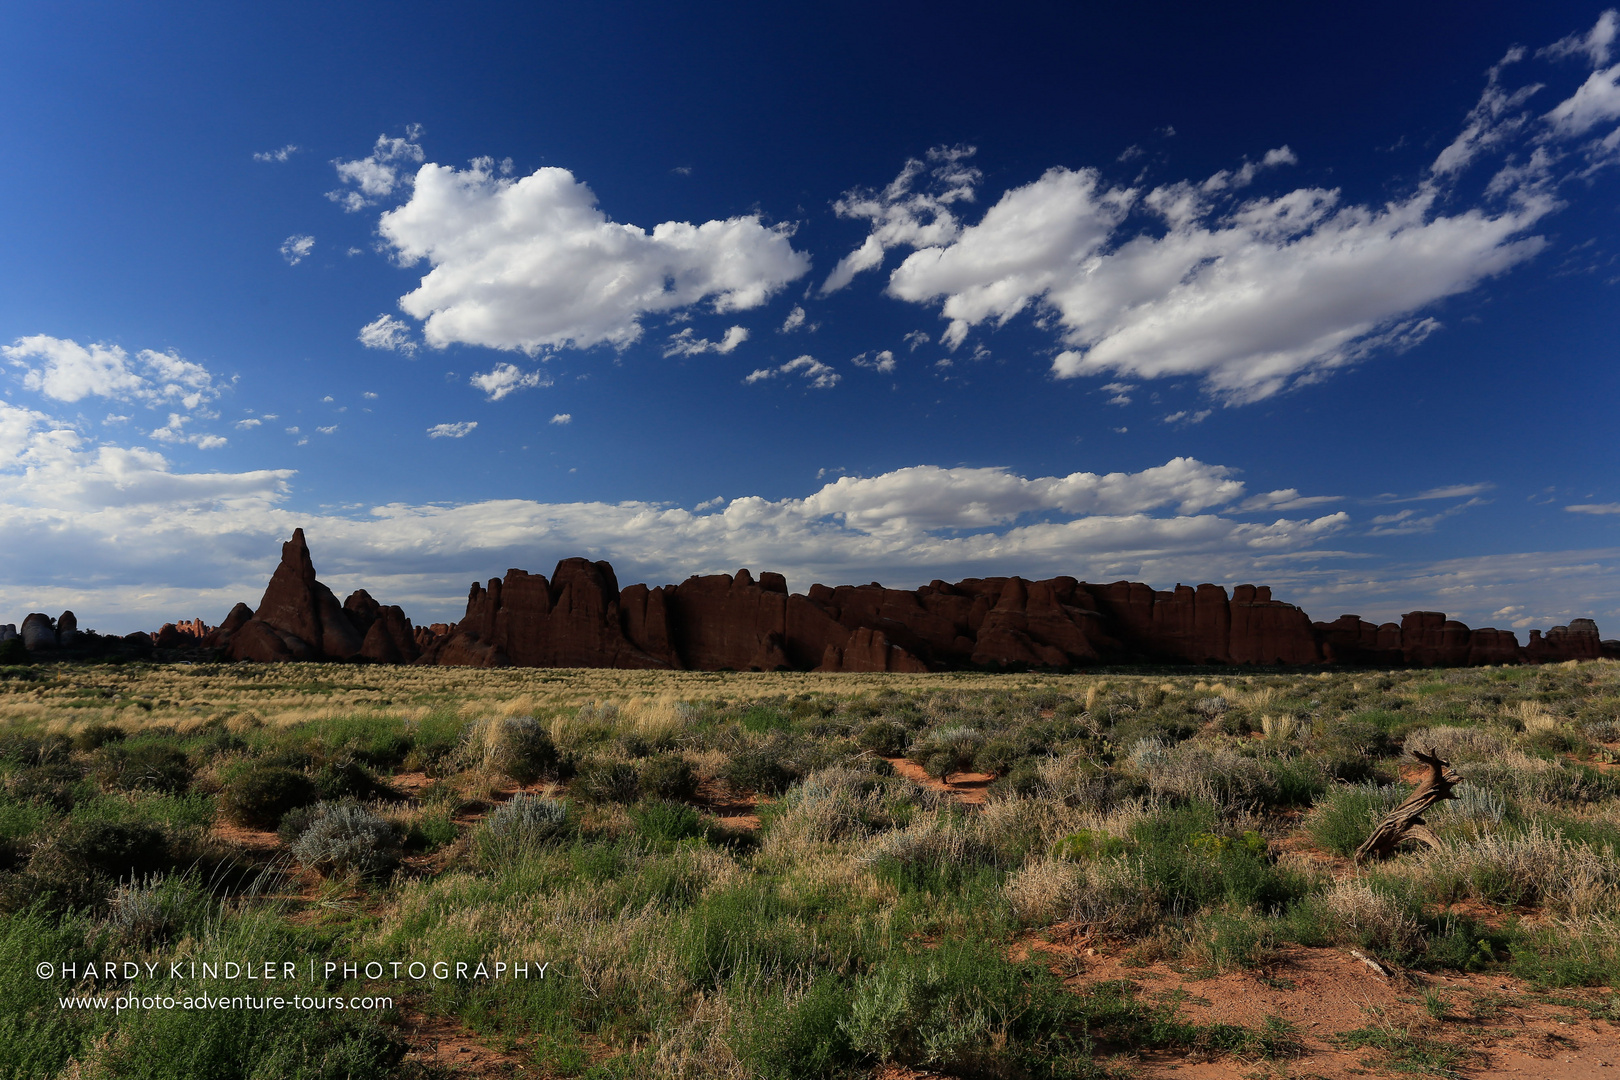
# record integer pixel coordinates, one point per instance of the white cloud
(1594, 45)
(504, 379)
(296, 248)
(1285, 499)
(72, 372)
(1256, 295)
(796, 320)
(380, 173)
(1594, 508)
(916, 339)
(165, 544)
(1449, 491)
(902, 215)
(686, 343)
(1031, 239)
(883, 361)
(1597, 101)
(369, 395)
(452, 431)
(1225, 180)
(387, 332)
(276, 155)
(1183, 416)
(820, 375)
(1121, 392)
(563, 418)
(248, 424)
(174, 432)
(533, 264)
(327, 430)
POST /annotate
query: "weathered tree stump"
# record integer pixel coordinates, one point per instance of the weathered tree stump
(1405, 822)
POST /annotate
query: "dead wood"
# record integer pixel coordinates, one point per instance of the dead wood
(1405, 822)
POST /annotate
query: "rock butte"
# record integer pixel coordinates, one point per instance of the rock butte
(580, 617)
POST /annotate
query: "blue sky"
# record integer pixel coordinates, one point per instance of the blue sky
(1326, 301)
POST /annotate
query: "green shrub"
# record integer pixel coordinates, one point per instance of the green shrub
(608, 781)
(432, 831)
(762, 719)
(345, 837)
(143, 767)
(261, 796)
(803, 1038)
(519, 825)
(947, 750)
(78, 866)
(1347, 814)
(339, 780)
(521, 747)
(772, 766)
(883, 737)
(1086, 845)
(965, 1009)
(997, 755)
(96, 736)
(666, 823)
(56, 784)
(668, 776)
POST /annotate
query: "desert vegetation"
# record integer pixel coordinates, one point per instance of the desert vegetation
(803, 876)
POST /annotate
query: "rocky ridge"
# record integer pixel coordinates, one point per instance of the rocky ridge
(581, 617)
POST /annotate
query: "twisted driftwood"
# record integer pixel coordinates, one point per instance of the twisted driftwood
(1405, 822)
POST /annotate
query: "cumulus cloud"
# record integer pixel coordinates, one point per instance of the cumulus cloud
(1251, 295)
(379, 173)
(687, 343)
(174, 432)
(532, 263)
(166, 544)
(456, 430)
(387, 332)
(276, 155)
(504, 379)
(64, 370)
(796, 320)
(881, 361)
(913, 210)
(820, 375)
(1276, 291)
(163, 543)
(296, 248)
(563, 418)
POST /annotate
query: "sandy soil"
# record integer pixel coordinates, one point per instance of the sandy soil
(964, 787)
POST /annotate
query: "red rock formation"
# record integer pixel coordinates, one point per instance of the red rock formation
(221, 635)
(869, 650)
(570, 621)
(722, 622)
(581, 618)
(299, 612)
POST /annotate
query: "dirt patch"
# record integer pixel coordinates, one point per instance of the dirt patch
(442, 1041)
(1494, 1023)
(964, 787)
(734, 809)
(253, 842)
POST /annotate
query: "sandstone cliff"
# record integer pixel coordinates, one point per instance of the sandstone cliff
(580, 617)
